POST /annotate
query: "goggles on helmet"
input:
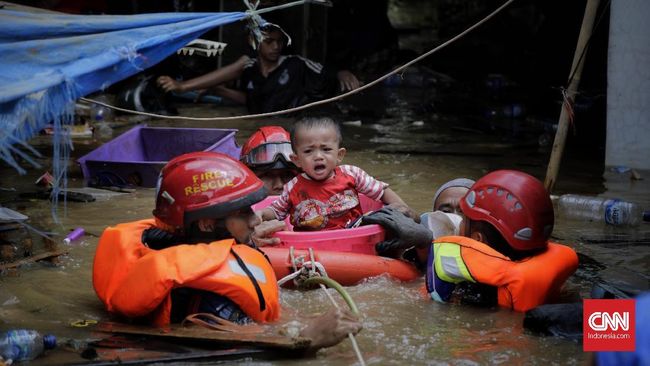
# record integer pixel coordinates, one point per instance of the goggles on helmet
(268, 153)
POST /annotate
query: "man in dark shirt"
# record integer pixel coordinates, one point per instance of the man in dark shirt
(271, 81)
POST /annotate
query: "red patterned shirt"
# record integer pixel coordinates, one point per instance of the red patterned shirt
(326, 205)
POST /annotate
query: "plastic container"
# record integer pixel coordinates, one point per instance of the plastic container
(74, 235)
(136, 157)
(360, 240)
(610, 211)
(24, 344)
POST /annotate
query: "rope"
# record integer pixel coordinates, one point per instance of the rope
(312, 271)
(312, 277)
(320, 102)
(584, 50)
(568, 105)
(293, 258)
(322, 281)
(304, 271)
(293, 263)
(282, 6)
(287, 278)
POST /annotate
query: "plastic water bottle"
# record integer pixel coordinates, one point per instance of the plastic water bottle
(24, 344)
(101, 126)
(610, 211)
(101, 117)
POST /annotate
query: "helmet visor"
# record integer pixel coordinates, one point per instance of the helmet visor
(268, 153)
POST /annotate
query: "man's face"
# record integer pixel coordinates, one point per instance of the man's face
(271, 47)
(275, 179)
(449, 200)
(240, 224)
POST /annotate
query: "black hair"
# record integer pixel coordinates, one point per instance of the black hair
(498, 242)
(315, 122)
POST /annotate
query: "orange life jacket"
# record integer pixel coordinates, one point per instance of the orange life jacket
(135, 281)
(521, 285)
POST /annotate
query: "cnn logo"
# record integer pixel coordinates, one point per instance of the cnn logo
(608, 325)
(600, 321)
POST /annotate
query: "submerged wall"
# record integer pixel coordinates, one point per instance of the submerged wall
(628, 85)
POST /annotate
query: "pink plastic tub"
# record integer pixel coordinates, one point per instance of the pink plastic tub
(358, 240)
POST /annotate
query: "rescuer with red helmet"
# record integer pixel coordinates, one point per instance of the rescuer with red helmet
(268, 154)
(509, 210)
(503, 254)
(198, 254)
(198, 193)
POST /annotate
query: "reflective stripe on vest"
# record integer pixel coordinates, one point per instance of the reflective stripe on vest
(255, 271)
(449, 263)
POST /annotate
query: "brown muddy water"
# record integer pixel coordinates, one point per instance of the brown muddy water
(400, 325)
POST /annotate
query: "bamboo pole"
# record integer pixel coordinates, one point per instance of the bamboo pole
(567, 105)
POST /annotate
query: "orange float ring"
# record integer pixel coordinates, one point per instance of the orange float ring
(345, 268)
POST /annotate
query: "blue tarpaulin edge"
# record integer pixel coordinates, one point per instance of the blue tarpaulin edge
(50, 60)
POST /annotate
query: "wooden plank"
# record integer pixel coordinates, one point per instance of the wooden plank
(195, 333)
(33, 258)
(143, 357)
(129, 350)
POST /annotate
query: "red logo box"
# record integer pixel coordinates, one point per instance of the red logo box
(608, 325)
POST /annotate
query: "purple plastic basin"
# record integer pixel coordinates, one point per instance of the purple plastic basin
(136, 157)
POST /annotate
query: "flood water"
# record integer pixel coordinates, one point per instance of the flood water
(400, 325)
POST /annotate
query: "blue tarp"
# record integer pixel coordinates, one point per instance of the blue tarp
(50, 60)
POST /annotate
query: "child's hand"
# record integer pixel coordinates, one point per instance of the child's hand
(262, 234)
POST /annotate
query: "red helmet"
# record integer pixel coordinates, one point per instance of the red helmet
(268, 148)
(516, 204)
(204, 185)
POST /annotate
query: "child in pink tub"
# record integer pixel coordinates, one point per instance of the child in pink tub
(325, 196)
